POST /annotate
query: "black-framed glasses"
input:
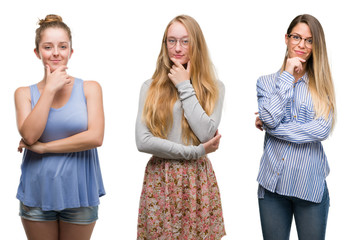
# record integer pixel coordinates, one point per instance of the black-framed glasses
(296, 39)
(171, 42)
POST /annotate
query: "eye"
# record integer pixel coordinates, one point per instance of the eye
(47, 47)
(185, 42)
(63, 47)
(295, 37)
(309, 41)
(171, 40)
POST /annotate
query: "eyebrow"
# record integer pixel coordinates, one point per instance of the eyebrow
(299, 35)
(52, 43)
(186, 36)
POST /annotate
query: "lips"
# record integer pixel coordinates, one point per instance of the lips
(300, 52)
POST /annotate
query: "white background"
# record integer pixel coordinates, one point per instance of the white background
(117, 44)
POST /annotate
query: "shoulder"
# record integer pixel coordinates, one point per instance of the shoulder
(22, 90)
(268, 78)
(144, 89)
(267, 81)
(146, 85)
(91, 84)
(91, 87)
(221, 86)
(22, 93)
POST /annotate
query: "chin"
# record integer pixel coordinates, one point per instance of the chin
(184, 61)
(53, 68)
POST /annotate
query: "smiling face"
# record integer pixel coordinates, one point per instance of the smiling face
(299, 50)
(180, 51)
(54, 48)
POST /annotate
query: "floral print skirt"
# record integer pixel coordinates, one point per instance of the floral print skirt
(180, 200)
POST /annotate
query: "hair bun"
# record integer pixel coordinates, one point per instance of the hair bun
(50, 18)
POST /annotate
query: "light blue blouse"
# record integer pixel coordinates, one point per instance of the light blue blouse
(55, 181)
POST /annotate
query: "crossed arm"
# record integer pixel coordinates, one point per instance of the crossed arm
(31, 123)
(203, 126)
(272, 104)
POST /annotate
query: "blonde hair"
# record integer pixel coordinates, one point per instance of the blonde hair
(318, 70)
(51, 21)
(162, 94)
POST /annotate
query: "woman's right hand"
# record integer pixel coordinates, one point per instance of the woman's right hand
(294, 65)
(212, 144)
(55, 80)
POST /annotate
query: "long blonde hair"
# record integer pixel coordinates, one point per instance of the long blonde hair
(162, 94)
(318, 70)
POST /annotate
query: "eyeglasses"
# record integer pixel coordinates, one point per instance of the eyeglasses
(296, 39)
(171, 42)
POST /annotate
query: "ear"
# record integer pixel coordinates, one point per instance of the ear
(71, 53)
(37, 53)
(286, 39)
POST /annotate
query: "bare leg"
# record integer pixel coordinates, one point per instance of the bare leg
(36, 230)
(69, 231)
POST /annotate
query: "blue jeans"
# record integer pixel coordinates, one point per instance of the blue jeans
(276, 212)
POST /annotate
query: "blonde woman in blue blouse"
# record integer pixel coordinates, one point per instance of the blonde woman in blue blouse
(296, 109)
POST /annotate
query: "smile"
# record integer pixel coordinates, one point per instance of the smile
(299, 52)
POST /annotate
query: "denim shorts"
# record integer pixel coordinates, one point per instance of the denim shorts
(81, 215)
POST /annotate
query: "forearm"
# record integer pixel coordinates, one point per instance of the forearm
(314, 131)
(148, 143)
(203, 125)
(79, 142)
(166, 149)
(273, 98)
(33, 125)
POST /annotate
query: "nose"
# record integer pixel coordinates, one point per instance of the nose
(302, 43)
(55, 51)
(178, 46)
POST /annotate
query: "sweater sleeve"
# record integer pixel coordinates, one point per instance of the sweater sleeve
(203, 125)
(148, 143)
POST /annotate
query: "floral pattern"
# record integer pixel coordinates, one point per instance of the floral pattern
(180, 200)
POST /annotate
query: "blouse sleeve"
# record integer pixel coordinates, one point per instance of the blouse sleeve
(148, 143)
(203, 125)
(316, 130)
(273, 97)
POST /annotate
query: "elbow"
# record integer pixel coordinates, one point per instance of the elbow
(28, 137)
(143, 144)
(206, 137)
(270, 120)
(29, 140)
(324, 136)
(140, 146)
(324, 133)
(98, 141)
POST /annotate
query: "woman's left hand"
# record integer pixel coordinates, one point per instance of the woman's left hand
(37, 147)
(178, 73)
(258, 122)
